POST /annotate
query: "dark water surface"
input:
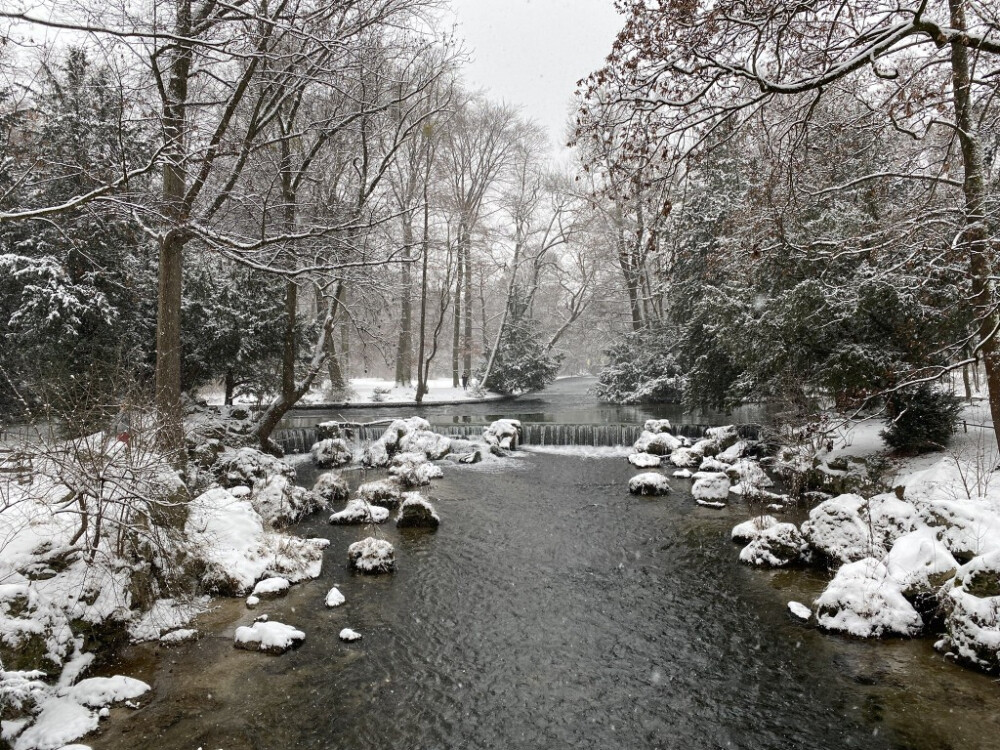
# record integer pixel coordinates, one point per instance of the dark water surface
(553, 610)
(568, 401)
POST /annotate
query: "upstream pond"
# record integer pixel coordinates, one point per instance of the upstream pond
(552, 610)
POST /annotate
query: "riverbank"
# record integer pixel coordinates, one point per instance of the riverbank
(912, 542)
(368, 392)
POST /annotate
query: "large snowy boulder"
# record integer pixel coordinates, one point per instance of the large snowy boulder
(331, 452)
(648, 483)
(712, 464)
(836, 532)
(249, 467)
(331, 487)
(968, 528)
(750, 530)
(644, 460)
(280, 501)
(710, 486)
(972, 627)
(657, 425)
(775, 547)
(269, 637)
(503, 434)
(416, 513)
(427, 443)
(384, 492)
(735, 452)
(890, 518)
(919, 562)
(376, 455)
(723, 437)
(360, 512)
(685, 458)
(234, 550)
(372, 555)
(657, 443)
(413, 469)
(864, 600)
(749, 475)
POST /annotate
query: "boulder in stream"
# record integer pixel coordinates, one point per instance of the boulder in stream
(269, 637)
(644, 460)
(372, 555)
(416, 513)
(649, 483)
(331, 452)
(360, 512)
(331, 487)
(711, 486)
(384, 492)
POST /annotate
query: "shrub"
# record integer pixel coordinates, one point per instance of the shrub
(921, 419)
(640, 371)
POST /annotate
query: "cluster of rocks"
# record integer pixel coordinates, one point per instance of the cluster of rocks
(906, 563)
(719, 463)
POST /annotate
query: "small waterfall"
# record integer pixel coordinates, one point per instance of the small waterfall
(301, 439)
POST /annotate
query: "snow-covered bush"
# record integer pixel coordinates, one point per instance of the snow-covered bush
(920, 420)
(331, 487)
(329, 453)
(640, 370)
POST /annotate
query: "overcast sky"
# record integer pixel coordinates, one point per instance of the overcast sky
(531, 53)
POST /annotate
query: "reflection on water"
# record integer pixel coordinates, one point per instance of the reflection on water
(552, 609)
(568, 401)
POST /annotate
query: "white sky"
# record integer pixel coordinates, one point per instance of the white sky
(531, 53)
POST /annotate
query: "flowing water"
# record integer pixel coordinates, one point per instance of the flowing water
(553, 610)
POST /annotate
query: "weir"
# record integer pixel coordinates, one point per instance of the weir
(301, 439)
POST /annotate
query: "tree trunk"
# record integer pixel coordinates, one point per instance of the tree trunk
(425, 247)
(467, 338)
(975, 235)
(456, 341)
(168, 302)
(230, 387)
(404, 347)
(289, 349)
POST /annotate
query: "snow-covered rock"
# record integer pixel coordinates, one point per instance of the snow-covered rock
(331, 452)
(657, 443)
(331, 487)
(682, 474)
(416, 512)
(376, 455)
(372, 555)
(890, 518)
(920, 562)
(427, 443)
(271, 587)
(836, 531)
(657, 425)
(724, 436)
(503, 434)
(713, 465)
(249, 467)
(644, 460)
(749, 475)
(972, 627)
(280, 501)
(414, 470)
(384, 492)
(775, 547)
(864, 600)
(648, 483)
(750, 530)
(269, 637)
(349, 636)
(734, 452)
(334, 598)
(799, 611)
(229, 538)
(685, 458)
(360, 512)
(711, 487)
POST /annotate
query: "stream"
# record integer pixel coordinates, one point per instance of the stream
(552, 610)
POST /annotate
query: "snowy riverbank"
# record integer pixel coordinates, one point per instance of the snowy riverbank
(102, 542)
(369, 391)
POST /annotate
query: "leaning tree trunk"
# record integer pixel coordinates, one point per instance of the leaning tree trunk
(975, 235)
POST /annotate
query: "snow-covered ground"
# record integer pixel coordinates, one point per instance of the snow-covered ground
(374, 391)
